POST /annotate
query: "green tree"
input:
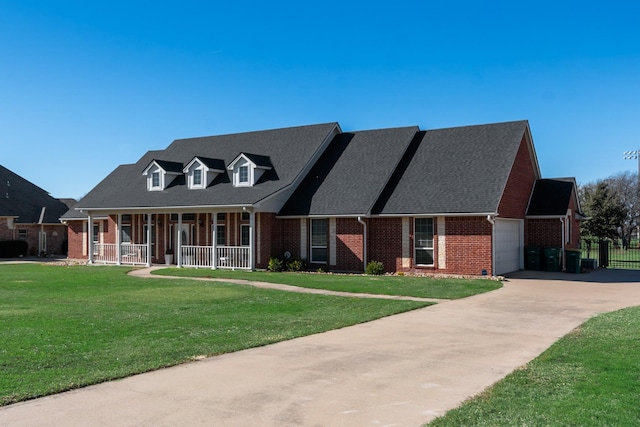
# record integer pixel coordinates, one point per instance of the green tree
(606, 211)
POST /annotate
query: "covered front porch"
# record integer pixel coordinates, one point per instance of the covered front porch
(185, 239)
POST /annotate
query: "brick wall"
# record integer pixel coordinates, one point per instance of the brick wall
(544, 232)
(519, 185)
(349, 245)
(468, 246)
(288, 231)
(385, 242)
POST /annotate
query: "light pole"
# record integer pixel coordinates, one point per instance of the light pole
(635, 155)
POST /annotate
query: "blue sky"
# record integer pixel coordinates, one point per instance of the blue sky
(88, 85)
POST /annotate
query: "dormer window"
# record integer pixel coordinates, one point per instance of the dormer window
(201, 171)
(248, 168)
(197, 177)
(243, 175)
(160, 174)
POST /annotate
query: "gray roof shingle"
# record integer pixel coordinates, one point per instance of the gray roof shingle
(550, 197)
(20, 198)
(460, 170)
(351, 174)
(289, 151)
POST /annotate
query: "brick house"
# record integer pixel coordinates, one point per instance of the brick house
(27, 212)
(439, 201)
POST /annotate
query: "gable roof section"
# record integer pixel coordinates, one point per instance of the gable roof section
(351, 174)
(290, 150)
(461, 170)
(551, 197)
(261, 162)
(24, 200)
(216, 165)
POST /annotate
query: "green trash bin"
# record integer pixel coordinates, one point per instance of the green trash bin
(573, 260)
(533, 257)
(552, 258)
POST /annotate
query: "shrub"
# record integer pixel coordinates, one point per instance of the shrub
(275, 264)
(375, 268)
(295, 265)
(13, 248)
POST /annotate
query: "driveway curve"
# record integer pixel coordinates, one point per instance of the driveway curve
(402, 370)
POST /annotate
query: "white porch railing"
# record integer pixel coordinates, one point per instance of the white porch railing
(232, 257)
(196, 256)
(107, 253)
(134, 254)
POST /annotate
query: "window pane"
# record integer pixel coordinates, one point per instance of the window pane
(319, 232)
(126, 234)
(197, 177)
(220, 237)
(221, 216)
(319, 254)
(424, 233)
(424, 256)
(243, 174)
(244, 241)
(155, 179)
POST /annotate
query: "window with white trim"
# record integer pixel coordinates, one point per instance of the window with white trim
(243, 174)
(423, 241)
(319, 229)
(22, 234)
(220, 235)
(155, 179)
(244, 235)
(197, 177)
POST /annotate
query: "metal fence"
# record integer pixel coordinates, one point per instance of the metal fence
(611, 253)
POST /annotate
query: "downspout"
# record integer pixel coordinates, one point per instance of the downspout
(364, 243)
(41, 249)
(492, 221)
(563, 225)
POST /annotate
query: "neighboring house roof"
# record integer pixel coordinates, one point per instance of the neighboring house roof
(552, 197)
(462, 170)
(351, 174)
(27, 202)
(290, 151)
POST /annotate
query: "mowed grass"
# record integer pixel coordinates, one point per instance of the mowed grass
(591, 377)
(66, 327)
(422, 287)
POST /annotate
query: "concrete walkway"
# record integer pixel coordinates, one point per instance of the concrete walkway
(402, 370)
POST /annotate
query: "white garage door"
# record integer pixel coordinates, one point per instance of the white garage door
(508, 245)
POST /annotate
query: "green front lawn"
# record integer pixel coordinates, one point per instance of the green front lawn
(67, 327)
(423, 287)
(590, 377)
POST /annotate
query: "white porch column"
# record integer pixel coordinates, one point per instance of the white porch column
(179, 241)
(149, 246)
(90, 236)
(252, 227)
(214, 242)
(119, 240)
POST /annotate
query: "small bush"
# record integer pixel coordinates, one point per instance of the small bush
(275, 264)
(375, 268)
(13, 248)
(295, 265)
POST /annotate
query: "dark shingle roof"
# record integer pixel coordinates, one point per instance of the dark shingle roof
(289, 150)
(550, 197)
(20, 198)
(455, 170)
(351, 174)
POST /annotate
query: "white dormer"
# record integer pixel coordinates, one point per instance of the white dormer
(248, 168)
(160, 174)
(201, 171)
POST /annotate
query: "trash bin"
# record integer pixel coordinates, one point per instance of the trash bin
(572, 260)
(552, 258)
(533, 257)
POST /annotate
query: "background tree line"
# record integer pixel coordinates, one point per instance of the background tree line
(613, 206)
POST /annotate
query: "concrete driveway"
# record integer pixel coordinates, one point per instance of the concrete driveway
(402, 370)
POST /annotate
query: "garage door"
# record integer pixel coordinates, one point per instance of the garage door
(508, 245)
